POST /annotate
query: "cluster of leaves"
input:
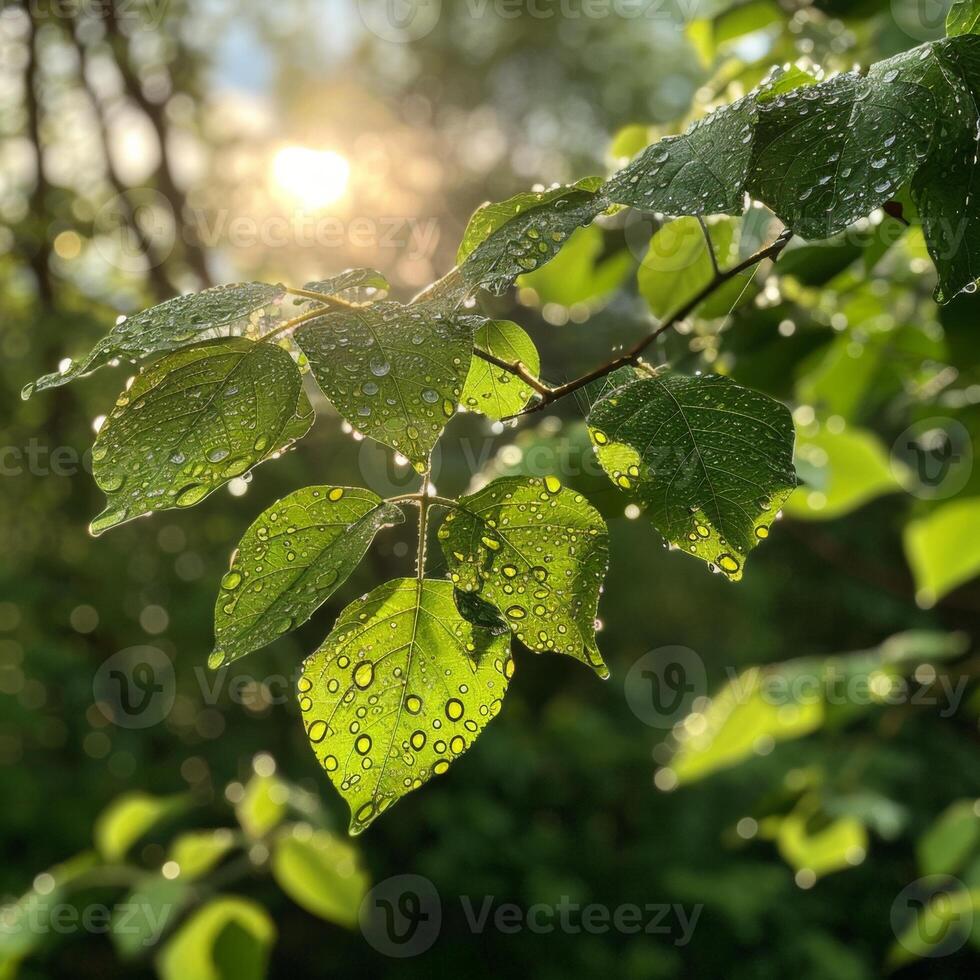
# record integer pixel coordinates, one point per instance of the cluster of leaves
(412, 672)
(179, 910)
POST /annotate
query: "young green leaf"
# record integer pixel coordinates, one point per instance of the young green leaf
(678, 265)
(179, 322)
(290, 561)
(349, 283)
(703, 171)
(828, 154)
(963, 18)
(192, 421)
(538, 552)
(394, 372)
(507, 238)
(490, 389)
(322, 873)
(711, 461)
(401, 686)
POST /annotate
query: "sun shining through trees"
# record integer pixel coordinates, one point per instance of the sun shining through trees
(308, 178)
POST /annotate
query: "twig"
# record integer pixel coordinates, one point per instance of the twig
(632, 356)
(517, 368)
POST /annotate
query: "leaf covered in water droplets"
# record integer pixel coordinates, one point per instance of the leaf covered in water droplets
(828, 154)
(177, 323)
(401, 687)
(538, 552)
(194, 420)
(490, 389)
(711, 461)
(348, 284)
(702, 171)
(945, 186)
(394, 372)
(507, 238)
(291, 560)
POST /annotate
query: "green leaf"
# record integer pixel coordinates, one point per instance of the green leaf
(700, 172)
(146, 912)
(321, 873)
(940, 926)
(348, 284)
(828, 154)
(809, 843)
(947, 845)
(490, 389)
(194, 420)
(198, 851)
(538, 552)
(840, 471)
(394, 372)
(129, 818)
(963, 18)
(401, 687)
(711, 461)
(177, 323)
(507, 238)
(678, 265)
(943, 549)
(943, 188)
(263, 805)
(229, 938)
(295, 555)
(578, 273)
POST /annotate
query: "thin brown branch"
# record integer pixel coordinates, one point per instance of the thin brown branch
(632, 356)
(517, 368)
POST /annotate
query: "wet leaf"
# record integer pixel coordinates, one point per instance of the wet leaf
(349, 284)
(291, 560)
(507, 238)
(394, 372)
(828, 154)
(944, 187)
(490, 389)
(702, 171)
(194, 420)
(711, 461)
(538, 552)
(179, 322)
(401, 687)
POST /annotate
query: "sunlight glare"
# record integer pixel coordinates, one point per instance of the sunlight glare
(311, 178)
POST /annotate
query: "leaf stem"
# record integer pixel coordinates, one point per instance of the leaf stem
(296, 321)
(328, 298)
(423, 524)
(632, 356)
(710, 246)
(517, 368)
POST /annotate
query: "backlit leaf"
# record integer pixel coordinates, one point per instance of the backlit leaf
(507, 238)
(228, 938)
(943, 549)
(711, 461)
(291, 560)
(963, 18)
(129, 818)
(183, 320)
(490, 389)
(538, 552)
(194, 420)
(401, 686)
(394, 372)
(322, 873)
